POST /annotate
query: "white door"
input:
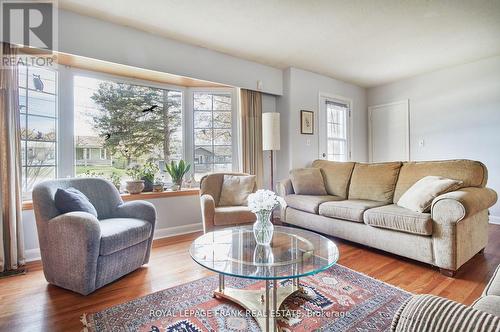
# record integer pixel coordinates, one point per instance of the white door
(334, 129)
(389, 132)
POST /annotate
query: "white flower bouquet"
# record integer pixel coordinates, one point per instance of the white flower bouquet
(262, 203)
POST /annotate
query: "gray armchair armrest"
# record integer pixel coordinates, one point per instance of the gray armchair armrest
(73, 242)
(437, 314)
(139, 210)
(207, 212)
(457, 205)
(284, 188)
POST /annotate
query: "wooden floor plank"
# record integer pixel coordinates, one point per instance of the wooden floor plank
(28, 303)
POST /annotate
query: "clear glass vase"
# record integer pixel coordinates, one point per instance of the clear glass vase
(263, 228)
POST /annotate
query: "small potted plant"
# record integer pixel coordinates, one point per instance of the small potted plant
(158, 186)
(149, 171)
(115, 179)
(177, 172)
(136, 185)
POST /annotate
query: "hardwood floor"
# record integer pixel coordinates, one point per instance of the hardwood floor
(28, 303)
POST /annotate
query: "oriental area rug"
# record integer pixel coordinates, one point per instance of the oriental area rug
(338, 299)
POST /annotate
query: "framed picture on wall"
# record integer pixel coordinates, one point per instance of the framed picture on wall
(306, 122)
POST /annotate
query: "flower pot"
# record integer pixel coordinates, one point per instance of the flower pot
(148, 185)
(175, 187)
(135, 186)
(158, 187)
(263, 229)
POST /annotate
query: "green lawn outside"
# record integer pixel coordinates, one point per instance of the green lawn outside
(106, 171)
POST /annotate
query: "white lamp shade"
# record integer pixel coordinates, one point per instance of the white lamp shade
(270, 131)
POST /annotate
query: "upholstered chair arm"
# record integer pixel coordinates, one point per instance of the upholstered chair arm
(437, 314)
(207, 212)
(72, 248)
(139, 210)
(457, 205)
(284, 188)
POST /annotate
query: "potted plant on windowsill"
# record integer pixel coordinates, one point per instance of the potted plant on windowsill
(177, 172)
(136, 185)
(149, 170)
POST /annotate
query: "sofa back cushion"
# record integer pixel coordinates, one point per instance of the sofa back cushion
(471, 173)
(307, 181)
(336, 176)
(375, 182)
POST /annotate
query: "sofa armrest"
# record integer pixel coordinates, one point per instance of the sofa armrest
(207, 212)
(71, 251)
(457, 205)
(433, 313)
(138, 210)
(284, 188)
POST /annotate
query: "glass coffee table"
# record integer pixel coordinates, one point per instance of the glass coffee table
(292, 254)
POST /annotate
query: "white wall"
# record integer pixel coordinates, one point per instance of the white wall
(301, 90)
(176, 215)
(456, 111)
(94, 38)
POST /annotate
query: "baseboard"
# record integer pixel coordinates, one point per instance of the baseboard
(34, 254)
(495, 220)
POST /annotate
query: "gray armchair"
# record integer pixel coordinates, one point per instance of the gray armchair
(83, 253)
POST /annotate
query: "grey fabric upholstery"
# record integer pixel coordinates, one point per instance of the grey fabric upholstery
(399, 219)
(489, 304)
(81, 252)
(348, 210)
(308, 203)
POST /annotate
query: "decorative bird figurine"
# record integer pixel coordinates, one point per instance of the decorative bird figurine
(38, 83)
(107, 136)
(149, 109)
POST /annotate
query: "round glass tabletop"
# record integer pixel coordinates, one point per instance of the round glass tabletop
(292, 253)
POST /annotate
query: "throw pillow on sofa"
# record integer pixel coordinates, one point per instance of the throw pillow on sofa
(307, 181)
(73, 200)
(419, 197)
(235, 189)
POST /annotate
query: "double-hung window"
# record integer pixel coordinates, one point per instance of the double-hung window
(337, 131)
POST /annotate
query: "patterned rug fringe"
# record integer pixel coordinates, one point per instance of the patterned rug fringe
(83, 319)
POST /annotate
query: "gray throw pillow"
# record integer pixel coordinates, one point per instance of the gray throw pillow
(73, 200)
(308, 181)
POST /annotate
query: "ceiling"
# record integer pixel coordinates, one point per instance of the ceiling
(367, 43)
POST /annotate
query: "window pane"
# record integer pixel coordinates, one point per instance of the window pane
(222, 103)
(203, 155)
(40, 128)
(203, 136)
(41, 104)
(223, 167)
(222, 136)
(222, 119)
(21, 76)
(40, 153)
(22, 100)
(35, 175)
(202, 101)
(42, 79)
(202, 119)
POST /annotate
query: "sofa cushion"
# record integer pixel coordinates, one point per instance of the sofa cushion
(419, 197)
(121, 233)
(307, 181)
(348, 210)
(231, 215)
(493, 286)
(235, 189)
(471, 173)
(336, 176)
(375, 182)
(489, 304)
(308, 203)
(399, 219)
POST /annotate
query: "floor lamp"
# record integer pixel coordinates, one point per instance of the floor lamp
(271, 137)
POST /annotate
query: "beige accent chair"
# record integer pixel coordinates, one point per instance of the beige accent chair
(215, 216)
(361, 207)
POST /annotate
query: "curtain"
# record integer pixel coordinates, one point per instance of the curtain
(11, 235)
(251, 134)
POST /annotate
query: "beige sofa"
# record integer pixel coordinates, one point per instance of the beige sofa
(437, 314)
(360, 207)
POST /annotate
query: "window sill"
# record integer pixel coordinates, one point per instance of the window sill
(28, 205)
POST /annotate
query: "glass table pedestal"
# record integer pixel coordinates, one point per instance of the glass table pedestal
(262, 304)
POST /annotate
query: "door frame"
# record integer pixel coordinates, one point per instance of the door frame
(321, 121)
(372, 108)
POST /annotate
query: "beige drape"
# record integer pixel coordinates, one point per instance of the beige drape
(251, 133)
(11, 235)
